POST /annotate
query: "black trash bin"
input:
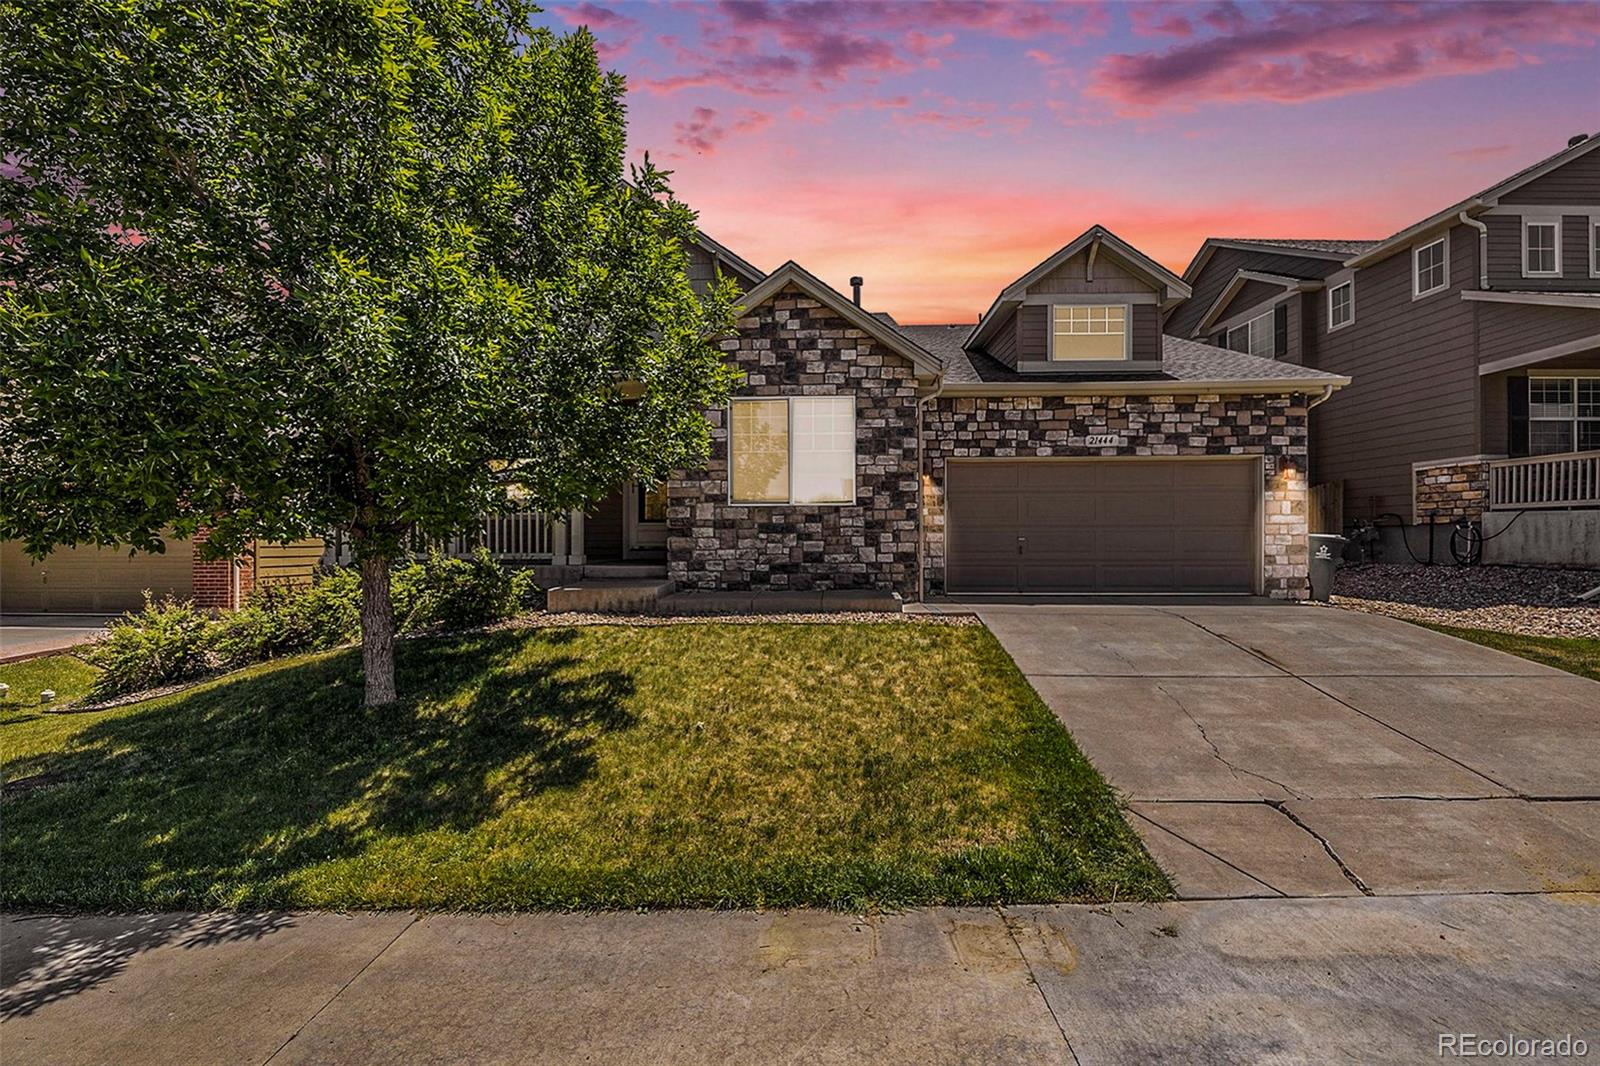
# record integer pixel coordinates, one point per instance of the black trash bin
(1326, 551)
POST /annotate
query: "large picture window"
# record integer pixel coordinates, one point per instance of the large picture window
(1563, 414)
(1254, 337)
(799, 449)
(1088, 333)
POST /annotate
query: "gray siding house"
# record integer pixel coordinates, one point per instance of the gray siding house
(1472, 339)
(1066, 443)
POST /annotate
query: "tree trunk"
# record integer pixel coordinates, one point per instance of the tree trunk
(377, 629)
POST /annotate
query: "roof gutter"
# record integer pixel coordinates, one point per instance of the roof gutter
(1411, 233)
(1327, 392)
(1483, 247)
(1259, 386)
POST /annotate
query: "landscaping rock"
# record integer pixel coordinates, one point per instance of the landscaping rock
(1534, 601)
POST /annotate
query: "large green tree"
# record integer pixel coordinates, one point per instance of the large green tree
(280, 269)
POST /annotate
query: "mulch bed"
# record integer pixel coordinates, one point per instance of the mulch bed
(1534, 601)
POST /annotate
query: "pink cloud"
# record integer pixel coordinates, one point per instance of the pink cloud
(1161, 20)
(1294, 54)
(705, 128)
(614, 32)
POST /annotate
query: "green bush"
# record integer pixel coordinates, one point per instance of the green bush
(526, 592)
(164, 642)
(282, 620)
(443, 593)
(172, 641)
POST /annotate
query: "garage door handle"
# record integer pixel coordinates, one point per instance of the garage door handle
(1022, 545)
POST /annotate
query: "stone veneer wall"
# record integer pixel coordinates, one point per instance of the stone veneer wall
(1452, 490)
(794, 346)
(1270, 426)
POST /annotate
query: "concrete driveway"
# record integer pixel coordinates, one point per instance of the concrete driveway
(1305, 751)
(23, 636)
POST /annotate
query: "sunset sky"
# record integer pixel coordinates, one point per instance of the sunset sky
(941, 148)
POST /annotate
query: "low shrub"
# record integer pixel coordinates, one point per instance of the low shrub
(161, 643)
(444, 593)
(173, 641)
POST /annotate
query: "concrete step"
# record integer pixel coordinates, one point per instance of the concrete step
(609, 595)
(623, 571)
(781, 602)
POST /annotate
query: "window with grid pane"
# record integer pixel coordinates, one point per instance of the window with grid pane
(1254, 337)
(1428, 262)
(1089, 332)
(1563, 414)
(1540, 240)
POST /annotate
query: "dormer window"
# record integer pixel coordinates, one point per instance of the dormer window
(1088, 333)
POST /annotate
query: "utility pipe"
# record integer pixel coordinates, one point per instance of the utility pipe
(1483, 247)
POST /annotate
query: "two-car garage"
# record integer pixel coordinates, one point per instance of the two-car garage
(1135, 524)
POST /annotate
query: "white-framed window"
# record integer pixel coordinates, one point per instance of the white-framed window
(1088, 333)
(1341, 304)
(1563, 414)
(1541, 247)
(1253, 337)
(1594, 246)
(1430, 267)
(792, 449)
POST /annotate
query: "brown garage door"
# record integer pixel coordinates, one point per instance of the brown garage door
(1109, 525)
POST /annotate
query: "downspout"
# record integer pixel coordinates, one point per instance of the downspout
(1483, 248)
(1327, 391)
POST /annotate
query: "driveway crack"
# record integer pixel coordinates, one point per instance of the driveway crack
(1005, 920)
(1349, 874)
(1216, 752)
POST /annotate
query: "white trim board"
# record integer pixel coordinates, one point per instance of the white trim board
(1555, 351)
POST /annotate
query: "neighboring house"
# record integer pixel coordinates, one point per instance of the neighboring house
(1063, 444)
(1472, 338)
(108, 580)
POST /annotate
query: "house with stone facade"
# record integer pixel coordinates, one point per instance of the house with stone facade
(1066, 443)
(1472, 339)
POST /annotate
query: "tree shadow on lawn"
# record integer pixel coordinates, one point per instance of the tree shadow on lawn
(219, 796)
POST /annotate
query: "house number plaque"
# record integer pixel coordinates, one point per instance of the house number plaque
(1104, 440)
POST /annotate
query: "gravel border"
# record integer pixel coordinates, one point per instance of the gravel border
(1529, 601)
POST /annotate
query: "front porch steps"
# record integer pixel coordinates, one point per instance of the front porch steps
(609, 595)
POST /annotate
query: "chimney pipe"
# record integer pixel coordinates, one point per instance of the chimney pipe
(855, 290)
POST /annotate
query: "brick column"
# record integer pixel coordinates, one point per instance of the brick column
(1454, 488)
(215, 582)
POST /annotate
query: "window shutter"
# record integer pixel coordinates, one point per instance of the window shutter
(1517, 416)
(1280, 331)
(1220, 338)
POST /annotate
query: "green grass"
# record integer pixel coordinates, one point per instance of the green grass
(1576, 655)
(708, 765)
(68, 676)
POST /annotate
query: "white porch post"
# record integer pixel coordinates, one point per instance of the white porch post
(558, 538)
(575, 553)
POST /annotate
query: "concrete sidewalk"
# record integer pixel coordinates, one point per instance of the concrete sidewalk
(1304, 751)
(1331, 980)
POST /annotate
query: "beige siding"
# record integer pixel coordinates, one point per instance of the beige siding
(1414, 393)
(294, 563)
(92, 580)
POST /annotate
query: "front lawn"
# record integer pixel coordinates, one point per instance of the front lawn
(692, 765)
(1576, 655)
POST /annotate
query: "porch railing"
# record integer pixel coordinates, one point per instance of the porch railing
(1571, 479)
(518, 536)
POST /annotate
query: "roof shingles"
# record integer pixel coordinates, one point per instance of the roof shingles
(1183, 362)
